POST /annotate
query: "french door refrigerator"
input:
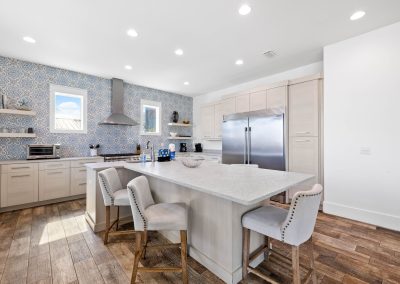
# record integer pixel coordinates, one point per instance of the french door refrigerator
(254, 138)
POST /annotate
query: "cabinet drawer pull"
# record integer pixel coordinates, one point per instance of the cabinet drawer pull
(54, 173)
(82, 170)
(304, 132)
(56, 165)
(303, 140)
(20, 176)
(84, 183)
(18, 168)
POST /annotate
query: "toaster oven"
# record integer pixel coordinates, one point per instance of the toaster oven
(44, 151)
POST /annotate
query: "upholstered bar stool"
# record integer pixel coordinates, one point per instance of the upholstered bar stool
(113, 195)
(149, 216)
(293, 227)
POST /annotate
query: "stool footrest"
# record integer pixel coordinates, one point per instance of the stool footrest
(262, 275)
(160, 269)
(164, 246)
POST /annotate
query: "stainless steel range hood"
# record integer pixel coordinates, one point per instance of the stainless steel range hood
(117, 116)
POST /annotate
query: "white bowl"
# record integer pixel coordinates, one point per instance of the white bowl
(173, 134)
(191, 163)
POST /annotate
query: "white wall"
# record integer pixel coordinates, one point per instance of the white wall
(215, 96)
(362, 127)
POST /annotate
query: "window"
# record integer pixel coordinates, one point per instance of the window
(150, 117)
(68, 110)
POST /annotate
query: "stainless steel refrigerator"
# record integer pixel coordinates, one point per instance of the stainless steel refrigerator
(254, 138)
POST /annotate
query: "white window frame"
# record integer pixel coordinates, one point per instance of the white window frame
(75, 92)
(142, 117)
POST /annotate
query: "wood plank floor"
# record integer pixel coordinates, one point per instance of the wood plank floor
(53, 244)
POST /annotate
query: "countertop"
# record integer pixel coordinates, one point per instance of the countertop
(240, 184)
(9, 162)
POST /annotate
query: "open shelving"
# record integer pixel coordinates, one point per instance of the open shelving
(180, 138)
(18, 112)
(17, 135)
(179, 124)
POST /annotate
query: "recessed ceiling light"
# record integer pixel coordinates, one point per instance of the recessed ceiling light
(186, 83)
(357, 15)
(128, 67)
(179, 52)
(132, 33)
(239, 62)
(244, 9)
(29, 39)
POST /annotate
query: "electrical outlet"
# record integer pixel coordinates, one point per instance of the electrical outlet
(365, 151)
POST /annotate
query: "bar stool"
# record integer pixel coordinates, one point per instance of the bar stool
(149, 216)
(113, 195)
(293, 227)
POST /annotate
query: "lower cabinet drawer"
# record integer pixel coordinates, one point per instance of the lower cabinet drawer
(19, 188)
(78, 181)
(54, 184)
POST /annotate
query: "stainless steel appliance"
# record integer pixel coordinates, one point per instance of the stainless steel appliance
(43, 151)
(254, 138)
(121, 157)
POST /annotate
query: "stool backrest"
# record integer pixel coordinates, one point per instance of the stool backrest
(140, 198)
(299, 224)
(109, 183)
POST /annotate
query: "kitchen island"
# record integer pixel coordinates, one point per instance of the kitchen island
(217, 196)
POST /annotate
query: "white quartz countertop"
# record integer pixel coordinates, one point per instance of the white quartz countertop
(9, 162)
(244, 185)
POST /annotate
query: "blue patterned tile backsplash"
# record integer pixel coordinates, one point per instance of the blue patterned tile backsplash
(20, 79)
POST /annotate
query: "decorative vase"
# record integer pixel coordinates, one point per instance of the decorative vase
(93, 152)
(175, 116)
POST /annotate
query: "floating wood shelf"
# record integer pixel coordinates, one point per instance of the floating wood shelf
(18, 112)
(180, 138)
(179, 124)
(17, 135)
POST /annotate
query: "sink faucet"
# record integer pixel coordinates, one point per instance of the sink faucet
(152, 154)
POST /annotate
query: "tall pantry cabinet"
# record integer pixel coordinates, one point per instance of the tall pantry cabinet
(305, 130)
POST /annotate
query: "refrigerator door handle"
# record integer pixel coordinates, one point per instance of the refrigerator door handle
(249, 145)
(245, 146)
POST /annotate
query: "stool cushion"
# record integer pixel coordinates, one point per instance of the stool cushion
(121, 198)
(166, 216)
(266, 220)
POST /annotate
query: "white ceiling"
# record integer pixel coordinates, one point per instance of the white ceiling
(90, 36)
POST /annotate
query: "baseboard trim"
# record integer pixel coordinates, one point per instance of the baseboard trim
(41, 203)
(367, 216)
(102, 226)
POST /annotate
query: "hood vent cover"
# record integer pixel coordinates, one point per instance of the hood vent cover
(117, 116)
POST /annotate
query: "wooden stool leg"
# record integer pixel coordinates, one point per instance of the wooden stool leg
(268, 244)
(185, 277)
(107, 225)
(117, 217)
(145, 237)
(138, 253)
(312, 264)
(296, 265)
(246, 252)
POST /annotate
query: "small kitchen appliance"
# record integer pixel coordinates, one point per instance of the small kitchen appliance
(43, 151)
(198, 147)
(182, 147)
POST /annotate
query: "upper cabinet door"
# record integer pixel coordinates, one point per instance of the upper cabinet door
(207, 121)
(276, 97)
(258, 100)
(243, 103)
(304, 109)
(229, 106)
(218, 118)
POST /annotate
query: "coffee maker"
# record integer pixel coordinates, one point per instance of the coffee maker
(182, 147)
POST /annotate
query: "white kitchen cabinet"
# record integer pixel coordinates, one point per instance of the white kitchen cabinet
(19, 184)
(54, 184)
(258, 100)
(54, 165)
(243, 103)
(276, 98)
(207, 121)
(304, 109)
(218, 118)
(229, 105)
(78, 180)
(304, 157)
